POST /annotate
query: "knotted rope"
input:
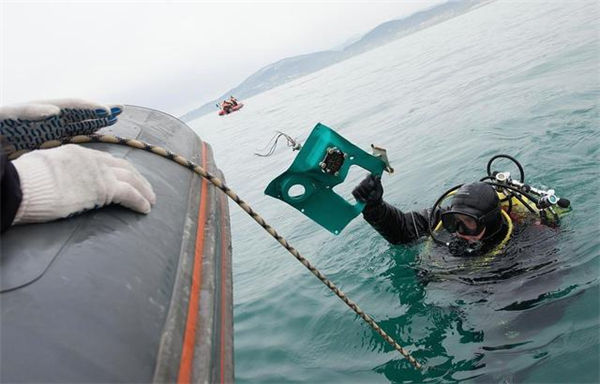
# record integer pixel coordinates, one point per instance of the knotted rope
(82, 139)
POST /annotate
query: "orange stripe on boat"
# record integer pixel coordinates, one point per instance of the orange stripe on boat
(223, 285)
(189, 339)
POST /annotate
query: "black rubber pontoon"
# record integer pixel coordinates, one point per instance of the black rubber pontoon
(115, 296)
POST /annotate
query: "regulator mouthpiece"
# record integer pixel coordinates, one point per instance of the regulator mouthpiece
(460, 247)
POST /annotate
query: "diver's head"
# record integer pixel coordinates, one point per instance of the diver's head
(474, 213)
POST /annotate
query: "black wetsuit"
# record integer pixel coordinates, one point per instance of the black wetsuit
(10, 192)
(398, 227)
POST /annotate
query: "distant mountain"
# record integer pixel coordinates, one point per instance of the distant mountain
(291, 68)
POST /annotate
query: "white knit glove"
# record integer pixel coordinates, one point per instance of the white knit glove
(26, 126)
(60, 182)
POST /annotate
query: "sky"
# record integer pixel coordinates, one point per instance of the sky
(169, 55)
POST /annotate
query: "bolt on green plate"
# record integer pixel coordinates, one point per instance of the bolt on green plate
(322, 163)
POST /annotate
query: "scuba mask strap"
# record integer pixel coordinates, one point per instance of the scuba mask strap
(495, 211)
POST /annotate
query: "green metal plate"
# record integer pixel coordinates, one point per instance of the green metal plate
(322, 163)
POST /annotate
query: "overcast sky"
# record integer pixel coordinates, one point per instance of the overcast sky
(169, 55)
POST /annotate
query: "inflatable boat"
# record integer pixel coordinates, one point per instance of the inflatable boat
(115, 296)
(232, 109)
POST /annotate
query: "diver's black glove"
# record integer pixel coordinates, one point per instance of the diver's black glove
(369, 191)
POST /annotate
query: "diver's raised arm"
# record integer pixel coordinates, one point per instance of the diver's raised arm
(394, 225)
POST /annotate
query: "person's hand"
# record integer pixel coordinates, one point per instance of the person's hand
(60, 182)
(369, 191)
(26, 126)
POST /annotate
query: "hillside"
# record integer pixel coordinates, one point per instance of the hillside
(292, 68)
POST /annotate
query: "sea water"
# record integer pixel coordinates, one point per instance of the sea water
(519, 78)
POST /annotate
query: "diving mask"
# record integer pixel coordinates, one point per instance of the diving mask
(465, 223)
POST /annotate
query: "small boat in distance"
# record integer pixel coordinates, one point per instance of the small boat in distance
(228, 106)
(230, 110)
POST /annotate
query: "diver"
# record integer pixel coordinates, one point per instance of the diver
(475, 218)
(226, 106)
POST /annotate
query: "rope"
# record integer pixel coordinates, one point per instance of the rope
(81, 139)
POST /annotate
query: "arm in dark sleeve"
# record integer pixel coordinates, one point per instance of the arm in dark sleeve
(396, 226)
(10, 192)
